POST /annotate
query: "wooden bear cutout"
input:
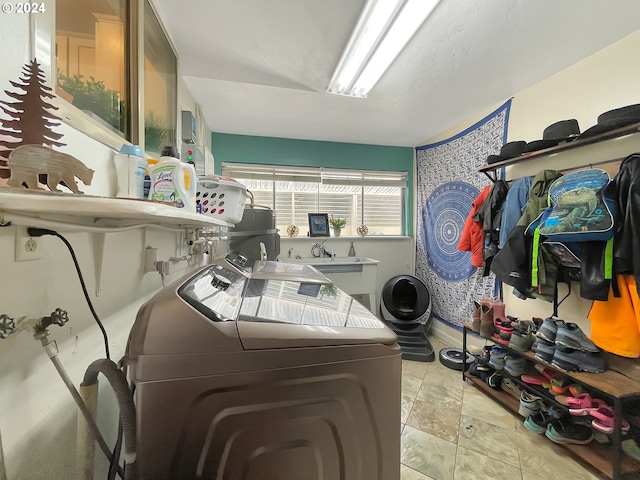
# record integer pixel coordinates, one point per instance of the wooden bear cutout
(28, 161)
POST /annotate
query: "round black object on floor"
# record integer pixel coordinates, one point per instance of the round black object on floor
(453, 358)
(405, 306)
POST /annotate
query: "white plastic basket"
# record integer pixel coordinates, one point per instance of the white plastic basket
(222, 198)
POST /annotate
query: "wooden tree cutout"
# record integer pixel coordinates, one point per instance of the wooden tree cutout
(30, 120)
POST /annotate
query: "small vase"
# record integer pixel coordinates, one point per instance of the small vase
(337, 232)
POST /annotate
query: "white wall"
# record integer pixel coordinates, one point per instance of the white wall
(601, 82)
(38, 420)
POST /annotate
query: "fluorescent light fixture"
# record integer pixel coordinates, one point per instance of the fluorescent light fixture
(382, 31)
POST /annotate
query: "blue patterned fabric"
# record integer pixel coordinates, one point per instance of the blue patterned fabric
(448, 181)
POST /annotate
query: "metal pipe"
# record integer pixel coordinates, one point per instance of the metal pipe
(3, 470)
(85, 445)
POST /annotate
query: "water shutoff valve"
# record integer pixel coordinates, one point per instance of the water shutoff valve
(7, 326)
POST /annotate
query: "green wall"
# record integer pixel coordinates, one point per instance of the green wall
(310, 153)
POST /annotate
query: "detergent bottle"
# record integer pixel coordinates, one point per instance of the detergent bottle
(169, 180)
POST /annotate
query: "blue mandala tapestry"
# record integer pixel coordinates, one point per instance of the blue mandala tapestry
(448, 181)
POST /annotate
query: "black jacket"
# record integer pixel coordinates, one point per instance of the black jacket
(490, 214)
(625, 189)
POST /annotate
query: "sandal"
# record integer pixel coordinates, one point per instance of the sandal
(534, 379)
(546, 372)
(583, 404)
(603, 420)
(555, 390)
(576, 389)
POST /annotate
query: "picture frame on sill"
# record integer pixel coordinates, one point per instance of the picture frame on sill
(318, 224)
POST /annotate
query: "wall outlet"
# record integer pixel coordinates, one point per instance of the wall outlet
(27, 247)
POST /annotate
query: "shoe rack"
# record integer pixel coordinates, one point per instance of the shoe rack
(607, 149)
(615, 388)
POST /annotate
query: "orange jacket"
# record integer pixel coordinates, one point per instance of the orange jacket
(472, 238)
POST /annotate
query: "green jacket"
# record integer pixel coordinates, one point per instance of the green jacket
(544, 268)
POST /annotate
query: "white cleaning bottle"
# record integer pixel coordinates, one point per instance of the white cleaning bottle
(130, 169)
(169, 181)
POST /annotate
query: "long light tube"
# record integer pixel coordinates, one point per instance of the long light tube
(382, 31)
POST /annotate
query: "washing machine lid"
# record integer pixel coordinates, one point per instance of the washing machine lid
(218, 291)
(276, 304)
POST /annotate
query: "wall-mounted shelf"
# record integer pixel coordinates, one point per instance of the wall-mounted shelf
(100, 215)
(491, 169)
(88, 210)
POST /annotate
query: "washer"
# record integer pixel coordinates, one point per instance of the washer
(263, 373)
(405, 306)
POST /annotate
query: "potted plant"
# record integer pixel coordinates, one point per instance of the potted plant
(92, 95)
(337, 224)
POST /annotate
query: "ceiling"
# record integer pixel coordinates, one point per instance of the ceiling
(261, 67)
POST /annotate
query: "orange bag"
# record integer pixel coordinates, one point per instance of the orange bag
(615, 324)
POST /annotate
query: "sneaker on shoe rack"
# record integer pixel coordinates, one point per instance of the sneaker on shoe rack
(548, 329)
(537, 323)
(529, 404)
(485, 355)
(564, 431)
(571, 336)
(514, 321)
(511, 388)
(502, 338)
(504, 325)
(525, 326)
(497, 357)
(520, 342)
(544, 350)
(495, 380)
(516, 366)
(480, 371)
(538, 422)
(571, 360)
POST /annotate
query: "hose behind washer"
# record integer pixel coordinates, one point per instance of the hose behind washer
(127, 409)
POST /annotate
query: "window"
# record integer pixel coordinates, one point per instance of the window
(160, 86)
(97, 71)
(91, 55)
(375, 199)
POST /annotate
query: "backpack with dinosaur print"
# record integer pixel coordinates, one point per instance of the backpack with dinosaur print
(579, 209)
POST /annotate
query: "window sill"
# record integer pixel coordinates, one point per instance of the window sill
(79, 120)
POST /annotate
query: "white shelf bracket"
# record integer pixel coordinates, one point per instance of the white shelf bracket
(98, 258)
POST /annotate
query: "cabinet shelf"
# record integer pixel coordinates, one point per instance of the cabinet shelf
(490, 169)
(89, 210)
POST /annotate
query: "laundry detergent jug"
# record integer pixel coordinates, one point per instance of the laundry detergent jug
(169, 179)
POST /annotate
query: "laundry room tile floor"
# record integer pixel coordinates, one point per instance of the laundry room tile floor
(451, 431)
